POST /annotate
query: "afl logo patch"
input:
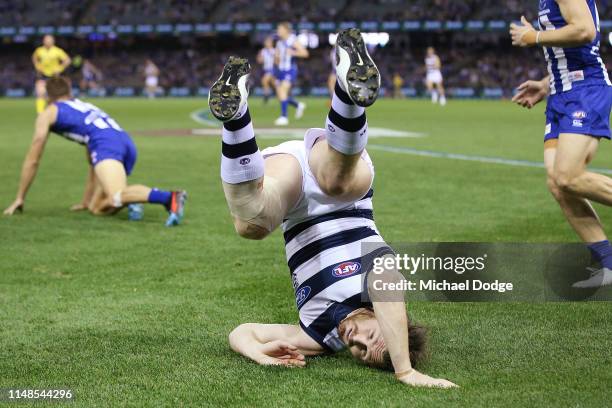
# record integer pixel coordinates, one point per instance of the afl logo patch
(346, 269)
(301, 295)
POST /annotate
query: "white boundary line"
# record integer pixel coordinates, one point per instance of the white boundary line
(465, 157)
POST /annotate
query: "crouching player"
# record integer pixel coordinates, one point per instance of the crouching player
(577, 117)
(111, 151)
(319, 189)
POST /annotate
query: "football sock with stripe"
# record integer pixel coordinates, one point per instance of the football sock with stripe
(162, 197)
(346, 124)
(241, 160)
(284, 108)
(602, 252)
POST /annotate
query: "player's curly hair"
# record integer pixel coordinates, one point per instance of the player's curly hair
(417, 344)
(58, 87)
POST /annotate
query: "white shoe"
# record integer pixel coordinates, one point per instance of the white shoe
(599, 278)
(355, 69)
(228, 96)
(299, 111)
(443, 101)
(281, 121)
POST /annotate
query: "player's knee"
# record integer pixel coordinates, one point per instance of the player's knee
(249, 230)
(551, 183)
(564, 181)
(334, 186)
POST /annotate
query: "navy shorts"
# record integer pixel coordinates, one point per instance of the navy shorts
(584, 111)
(118, 147)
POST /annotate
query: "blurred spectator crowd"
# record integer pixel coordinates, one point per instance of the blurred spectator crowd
(59, 12)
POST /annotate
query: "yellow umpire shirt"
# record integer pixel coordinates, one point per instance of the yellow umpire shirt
(49, 60)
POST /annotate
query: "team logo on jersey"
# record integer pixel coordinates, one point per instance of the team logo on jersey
(244, 161)
(301, 295)
(346, 269)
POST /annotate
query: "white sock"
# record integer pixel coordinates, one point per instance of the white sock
(241, 160)
(346, 124)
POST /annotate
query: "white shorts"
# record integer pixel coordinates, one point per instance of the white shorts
(151, 81)
(435, 77)
(314, 201)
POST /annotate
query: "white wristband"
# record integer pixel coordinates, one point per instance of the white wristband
(538, 38)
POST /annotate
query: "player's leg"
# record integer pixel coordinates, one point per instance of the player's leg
(40, 88)
(336, 162)
(431, 90)
(258, 205)
(570, 161)
(571, 175)
(442, 92)
(578, 211)
(112, 176)
(282, 92)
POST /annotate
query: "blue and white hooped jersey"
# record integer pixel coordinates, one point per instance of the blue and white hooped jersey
(330, 246)
(285, 59)
(81, 122)
(267, 55)
(571, 68)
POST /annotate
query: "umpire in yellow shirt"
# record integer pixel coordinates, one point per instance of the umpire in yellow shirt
(49, 61)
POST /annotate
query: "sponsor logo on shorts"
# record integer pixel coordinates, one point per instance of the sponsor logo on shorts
(346, 269)
(579, 114)
(301, 295)
(94, 157)
(577, 123)
(575, 76)
(244, 161)
(331, 128)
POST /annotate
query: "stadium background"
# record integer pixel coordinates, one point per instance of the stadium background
(190, 39)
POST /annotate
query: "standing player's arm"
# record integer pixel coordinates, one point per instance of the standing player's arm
(438, 63)
(35, 61)
(299, 51)
(260, 59)
(32, 159)
(273, 344)
(580, 28)
(390, 312)
(66, 61)
(530, 93)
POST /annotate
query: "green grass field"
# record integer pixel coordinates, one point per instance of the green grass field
(133, 314)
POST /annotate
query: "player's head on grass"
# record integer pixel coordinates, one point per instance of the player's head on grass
(361, 332)
(58, 88)
(283, 30)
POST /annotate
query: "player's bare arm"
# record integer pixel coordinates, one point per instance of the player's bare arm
(299, 51)
(274, 344)
(530, 93)
(390, 312)
(89, 187)
(33, 157)
(580, 28)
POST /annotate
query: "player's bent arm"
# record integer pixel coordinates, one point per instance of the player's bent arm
(580, 28)
(300, 51)
(390, 312)
(273, 344)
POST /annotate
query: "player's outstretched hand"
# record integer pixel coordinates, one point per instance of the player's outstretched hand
(78, 207)
(530, 93)
(16, 206)
(280, 352)
(523, 35)
(417, 379)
